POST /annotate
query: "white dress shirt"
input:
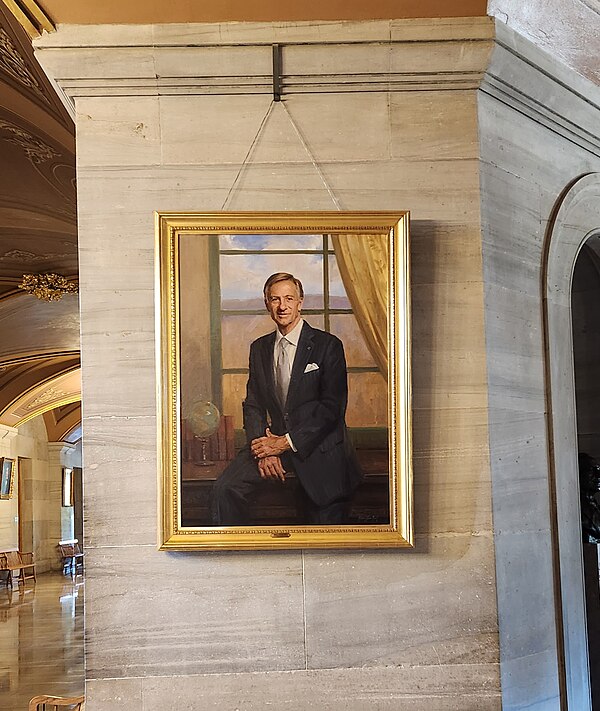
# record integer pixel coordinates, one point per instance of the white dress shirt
(292, 338)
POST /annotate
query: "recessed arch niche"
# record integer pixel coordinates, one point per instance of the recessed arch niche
(575, 221)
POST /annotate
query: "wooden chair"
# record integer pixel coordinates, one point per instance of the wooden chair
(57, 703)
(4, 568)
(78, 556)
(72, 557)
(12, 561)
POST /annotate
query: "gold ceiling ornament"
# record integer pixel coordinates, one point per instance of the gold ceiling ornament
(48, 287)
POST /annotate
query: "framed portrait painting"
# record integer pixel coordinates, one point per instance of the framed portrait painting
(284, 380)
(7, 477)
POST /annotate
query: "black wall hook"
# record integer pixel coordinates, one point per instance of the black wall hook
(276, 72)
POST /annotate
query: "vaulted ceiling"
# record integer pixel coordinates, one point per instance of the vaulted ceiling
(39, 344)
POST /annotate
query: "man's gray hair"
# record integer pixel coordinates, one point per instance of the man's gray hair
(282, 276)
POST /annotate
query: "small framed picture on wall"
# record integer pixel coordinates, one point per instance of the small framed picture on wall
(67, 486)
(7, 477)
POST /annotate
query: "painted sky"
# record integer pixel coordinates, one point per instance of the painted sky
(264, 242)
(243, 276)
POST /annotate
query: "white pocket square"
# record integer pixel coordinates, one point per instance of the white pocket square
(310, 367)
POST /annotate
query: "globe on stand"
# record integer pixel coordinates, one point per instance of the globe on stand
(204, 419)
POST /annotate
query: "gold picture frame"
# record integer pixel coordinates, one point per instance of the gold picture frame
(210, 271)
(7, 477)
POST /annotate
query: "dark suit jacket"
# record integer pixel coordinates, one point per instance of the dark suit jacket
(325, 461)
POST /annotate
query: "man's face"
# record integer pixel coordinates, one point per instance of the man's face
(283, 304)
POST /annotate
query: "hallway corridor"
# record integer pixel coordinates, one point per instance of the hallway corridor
(41, 641)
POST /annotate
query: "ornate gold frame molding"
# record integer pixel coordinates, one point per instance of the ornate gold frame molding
(173, 534)
(30, 16)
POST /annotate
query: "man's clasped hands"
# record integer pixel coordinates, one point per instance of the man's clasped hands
(267, 450)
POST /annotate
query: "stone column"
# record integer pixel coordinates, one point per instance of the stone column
(168, 118)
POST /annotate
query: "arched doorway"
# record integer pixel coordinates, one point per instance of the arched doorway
(575, 222)
(585, 315)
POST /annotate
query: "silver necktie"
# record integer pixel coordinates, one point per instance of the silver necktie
(282, 371)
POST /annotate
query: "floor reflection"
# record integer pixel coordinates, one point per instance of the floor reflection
(41, 640)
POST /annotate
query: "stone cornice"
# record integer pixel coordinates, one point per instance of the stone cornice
(533, 83)
(395, 56)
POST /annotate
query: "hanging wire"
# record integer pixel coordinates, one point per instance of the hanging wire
(312, 158)
(248, 154)
(304, 145)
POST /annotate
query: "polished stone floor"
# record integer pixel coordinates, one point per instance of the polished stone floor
(41, 640)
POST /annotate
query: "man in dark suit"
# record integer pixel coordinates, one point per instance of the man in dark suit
(293, 417)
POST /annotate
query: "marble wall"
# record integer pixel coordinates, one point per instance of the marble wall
(539, 133)
(477, 133)
(166, 117)
(567, 29)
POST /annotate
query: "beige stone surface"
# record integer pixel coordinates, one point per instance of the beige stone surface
(330, 129)
(559, 28)
(434, 605)
(378, 629)
(226, 612)
(213, 60)
(448, 28)
(120, 490)
(113, 694)
(451, 471)
(206, 130)
(106, 133)
(450, 688)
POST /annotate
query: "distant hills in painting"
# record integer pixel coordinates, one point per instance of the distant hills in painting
(314, 301)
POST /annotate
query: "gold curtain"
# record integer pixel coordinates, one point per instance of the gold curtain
(363, 263)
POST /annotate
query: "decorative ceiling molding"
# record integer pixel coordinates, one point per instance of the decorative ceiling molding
(49, 286)
(34, 148)
(20, 71)
(52, 392)
(38, 355)
(30, 16)
(13, 64)
(38, 202)
(63, 424)
(22, 257)
(18, 379)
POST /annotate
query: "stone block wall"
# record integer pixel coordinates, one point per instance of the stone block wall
(421, 115)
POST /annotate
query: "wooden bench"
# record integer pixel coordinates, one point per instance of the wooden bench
(71, 556)
(276, 505)
(12, 561)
